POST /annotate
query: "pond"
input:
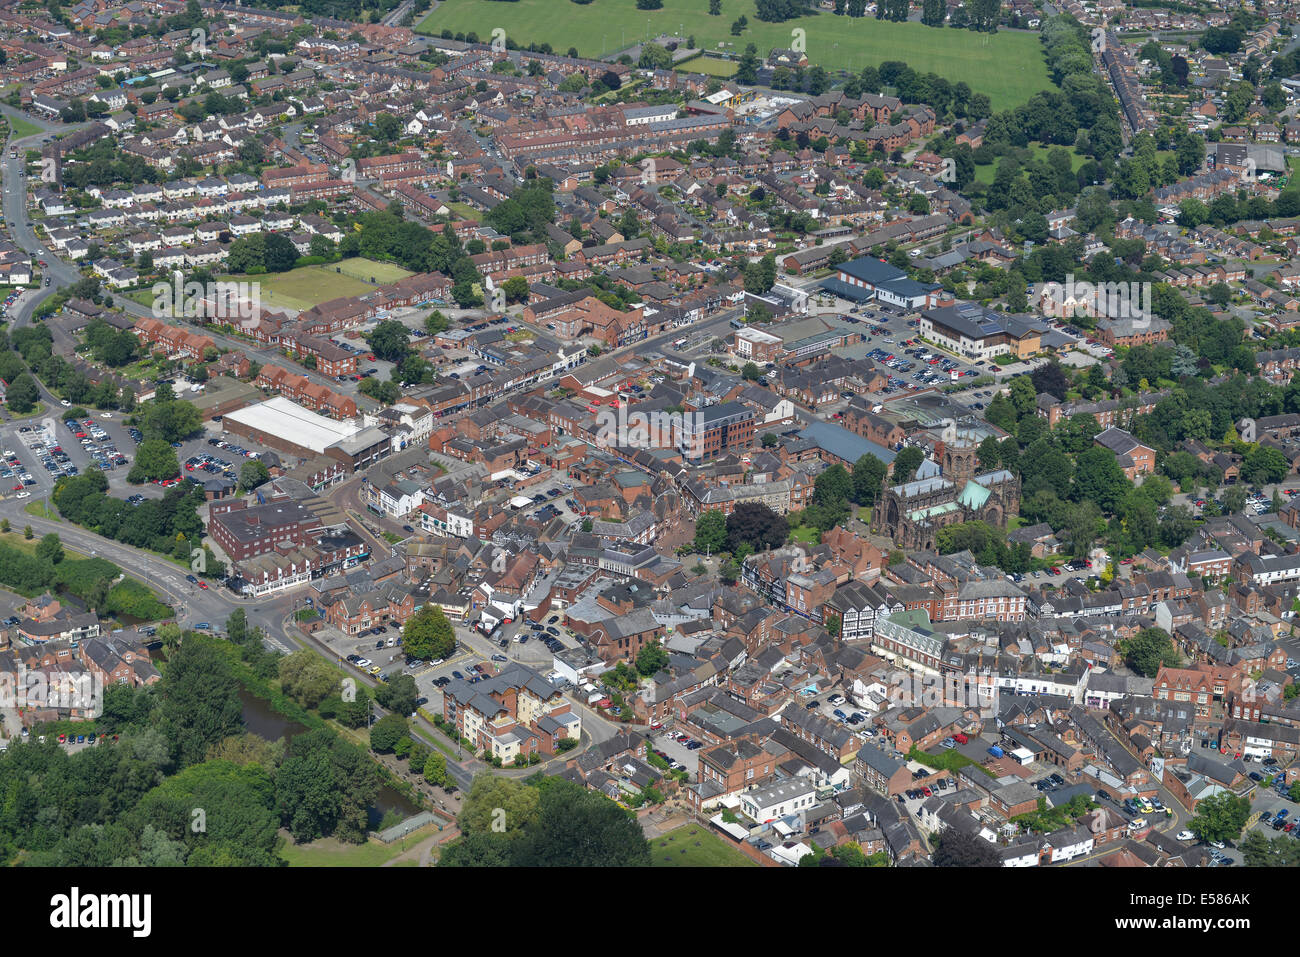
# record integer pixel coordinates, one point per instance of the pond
(267, 723)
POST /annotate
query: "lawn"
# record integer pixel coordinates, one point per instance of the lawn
(948, 759)
(708, 64)
(41, 509)
(806, 534)
(305, 286)
(465, 211)
(308, 286)
(667, 851)
(21, 128)
(328, 852)
(38, 409)
(141, 297)
(1008, 65)
(15, 538)
(368, 270)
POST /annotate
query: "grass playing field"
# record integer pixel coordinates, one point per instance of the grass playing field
(1008, 65)
(368, 270)
(678, 849)
(710, 65)
(304, 287)
(308, 286)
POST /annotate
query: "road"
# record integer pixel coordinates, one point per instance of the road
(19, 223)
(394, 18)
(260, 354)
(193, 604)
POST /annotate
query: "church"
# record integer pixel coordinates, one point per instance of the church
(912, 513)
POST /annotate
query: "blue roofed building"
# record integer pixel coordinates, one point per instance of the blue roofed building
(867, 278)
(838, 445)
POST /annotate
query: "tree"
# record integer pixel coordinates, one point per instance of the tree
(356, 713)
(576, 827)
(957, 848)
(435, 769)
(833, 485)
(1050, 378)
(307, 678)
(516, 289)
(907, 462)
(387, 731)
(436, 323)
(199, 701)
(1146, 651)
(398, 695)
(240, 823)
(868, 479)
(1265, 465)
(428, 634)
(22, 394)
(497, 805)
(710, 531)
(755, 525)
(50, 549)
(747, 67)
(1220, 818)
(325, 786)
(154, 459)
(651, 659)
(390, 340)
(1259, 851)
(169, 418)
(1098, 478)
(252, 474)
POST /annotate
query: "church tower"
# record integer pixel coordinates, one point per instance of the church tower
(958, 460)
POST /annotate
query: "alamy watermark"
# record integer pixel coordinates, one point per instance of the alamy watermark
(219, 299)
(61, 690)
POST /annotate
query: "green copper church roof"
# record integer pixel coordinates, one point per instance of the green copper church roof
(973, 496)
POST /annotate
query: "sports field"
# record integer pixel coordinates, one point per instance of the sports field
(710, 65)
(304, 287)
(308, 286)
(368, 270)
(1008, 65)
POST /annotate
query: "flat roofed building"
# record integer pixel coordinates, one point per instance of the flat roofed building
(288, 427)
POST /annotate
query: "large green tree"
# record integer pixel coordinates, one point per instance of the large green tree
(711, 531)
(1146, 651)
(154, 459)
(389, 340)
(428, 634)
(868, 479)
(200, 698)
(1220, 817)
